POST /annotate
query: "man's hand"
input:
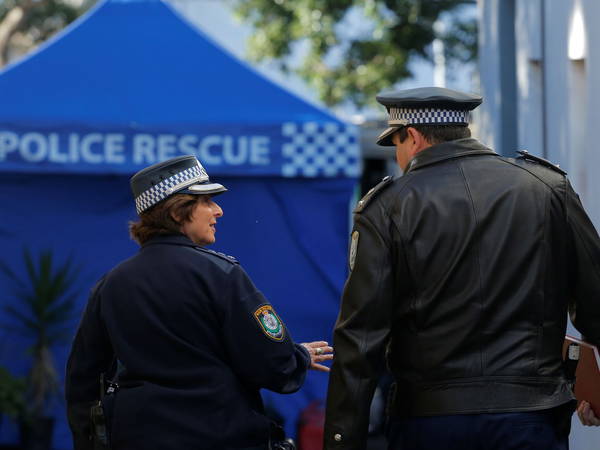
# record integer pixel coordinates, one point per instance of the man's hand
(586, 415)
(319, 351)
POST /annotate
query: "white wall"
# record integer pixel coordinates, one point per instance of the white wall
(530, 75)
(497, 117)
(590, 107)
(556, 67)
(556, 99)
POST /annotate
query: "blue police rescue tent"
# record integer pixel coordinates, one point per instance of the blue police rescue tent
(131, 84)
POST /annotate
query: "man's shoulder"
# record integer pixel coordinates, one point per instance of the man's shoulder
(373, 193)
(527, 158)
(544, 170)
(386, 191)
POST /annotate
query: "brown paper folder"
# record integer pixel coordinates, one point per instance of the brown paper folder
(587, 375)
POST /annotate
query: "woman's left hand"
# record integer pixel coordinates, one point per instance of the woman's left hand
(319, 351)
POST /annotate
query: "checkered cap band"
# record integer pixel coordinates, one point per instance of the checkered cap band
(168, 186)
(406, 116)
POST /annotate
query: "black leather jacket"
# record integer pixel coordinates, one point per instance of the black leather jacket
(462, 276)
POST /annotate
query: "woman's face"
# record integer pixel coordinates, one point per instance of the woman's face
(201, 227)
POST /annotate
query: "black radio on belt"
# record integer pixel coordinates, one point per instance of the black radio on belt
(99, 417)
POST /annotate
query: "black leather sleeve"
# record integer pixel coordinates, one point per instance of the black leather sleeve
(584, 266)
(361, 333)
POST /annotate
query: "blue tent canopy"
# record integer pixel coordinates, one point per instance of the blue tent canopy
(130, 84)
(133, 83)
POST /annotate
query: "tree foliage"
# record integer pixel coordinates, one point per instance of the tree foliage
(354, 48)
(26, 23)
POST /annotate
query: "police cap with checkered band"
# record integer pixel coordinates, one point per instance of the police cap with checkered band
(180, 175)
(425, 106)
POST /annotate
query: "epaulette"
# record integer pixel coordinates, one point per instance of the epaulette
(220, 255)
(363, 202)
(544, 162)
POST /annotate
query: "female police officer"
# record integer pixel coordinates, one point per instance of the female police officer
(192, 338)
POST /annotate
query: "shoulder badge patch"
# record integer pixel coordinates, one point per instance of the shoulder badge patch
(363, 202)
(353, 249)
(270, 322)
(544, 162)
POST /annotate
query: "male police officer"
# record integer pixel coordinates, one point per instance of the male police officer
(194, 339)
(462, 271)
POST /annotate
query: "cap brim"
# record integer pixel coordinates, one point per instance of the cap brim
(385, 138)
(208, 188)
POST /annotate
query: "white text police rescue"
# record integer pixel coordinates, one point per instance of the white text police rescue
(112, 148)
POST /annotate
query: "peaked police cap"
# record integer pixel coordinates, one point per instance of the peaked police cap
(426, 106)
(180, 175)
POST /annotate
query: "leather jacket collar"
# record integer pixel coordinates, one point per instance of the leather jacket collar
(448, 150)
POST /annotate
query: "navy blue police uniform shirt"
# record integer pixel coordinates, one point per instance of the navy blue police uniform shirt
(195, 341)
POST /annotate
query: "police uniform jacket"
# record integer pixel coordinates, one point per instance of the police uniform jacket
(462, 272)
(195, 342)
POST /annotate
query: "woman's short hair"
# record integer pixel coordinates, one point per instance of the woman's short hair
(160, 219)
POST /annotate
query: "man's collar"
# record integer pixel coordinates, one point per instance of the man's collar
(447, 150)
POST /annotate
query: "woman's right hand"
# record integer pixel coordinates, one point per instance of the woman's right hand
(319, 351)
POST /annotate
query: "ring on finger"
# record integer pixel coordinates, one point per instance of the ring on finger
(318, 351)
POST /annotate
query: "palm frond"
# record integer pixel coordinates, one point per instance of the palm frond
(25, 321)
(46, 306)
(63, 335)
(63, 311)
(16, 329)
(29, 265)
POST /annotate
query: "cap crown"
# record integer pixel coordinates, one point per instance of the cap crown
(430, 97)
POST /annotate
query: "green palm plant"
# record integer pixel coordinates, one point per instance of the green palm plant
(43, 313)
(12, 392)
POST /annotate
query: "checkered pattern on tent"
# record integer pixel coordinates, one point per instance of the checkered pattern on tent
(320, 149)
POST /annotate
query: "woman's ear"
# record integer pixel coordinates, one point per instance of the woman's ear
(175, 217)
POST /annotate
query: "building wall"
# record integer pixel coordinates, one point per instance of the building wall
(497, 116)
(590, 163)
(540, 64)
(535, 96)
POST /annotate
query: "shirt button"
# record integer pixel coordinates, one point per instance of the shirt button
(337, 437)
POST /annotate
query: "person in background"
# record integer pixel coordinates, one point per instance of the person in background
(183, 333)
(462, 271)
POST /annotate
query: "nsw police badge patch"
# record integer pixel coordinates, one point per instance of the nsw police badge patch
(269, 322)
